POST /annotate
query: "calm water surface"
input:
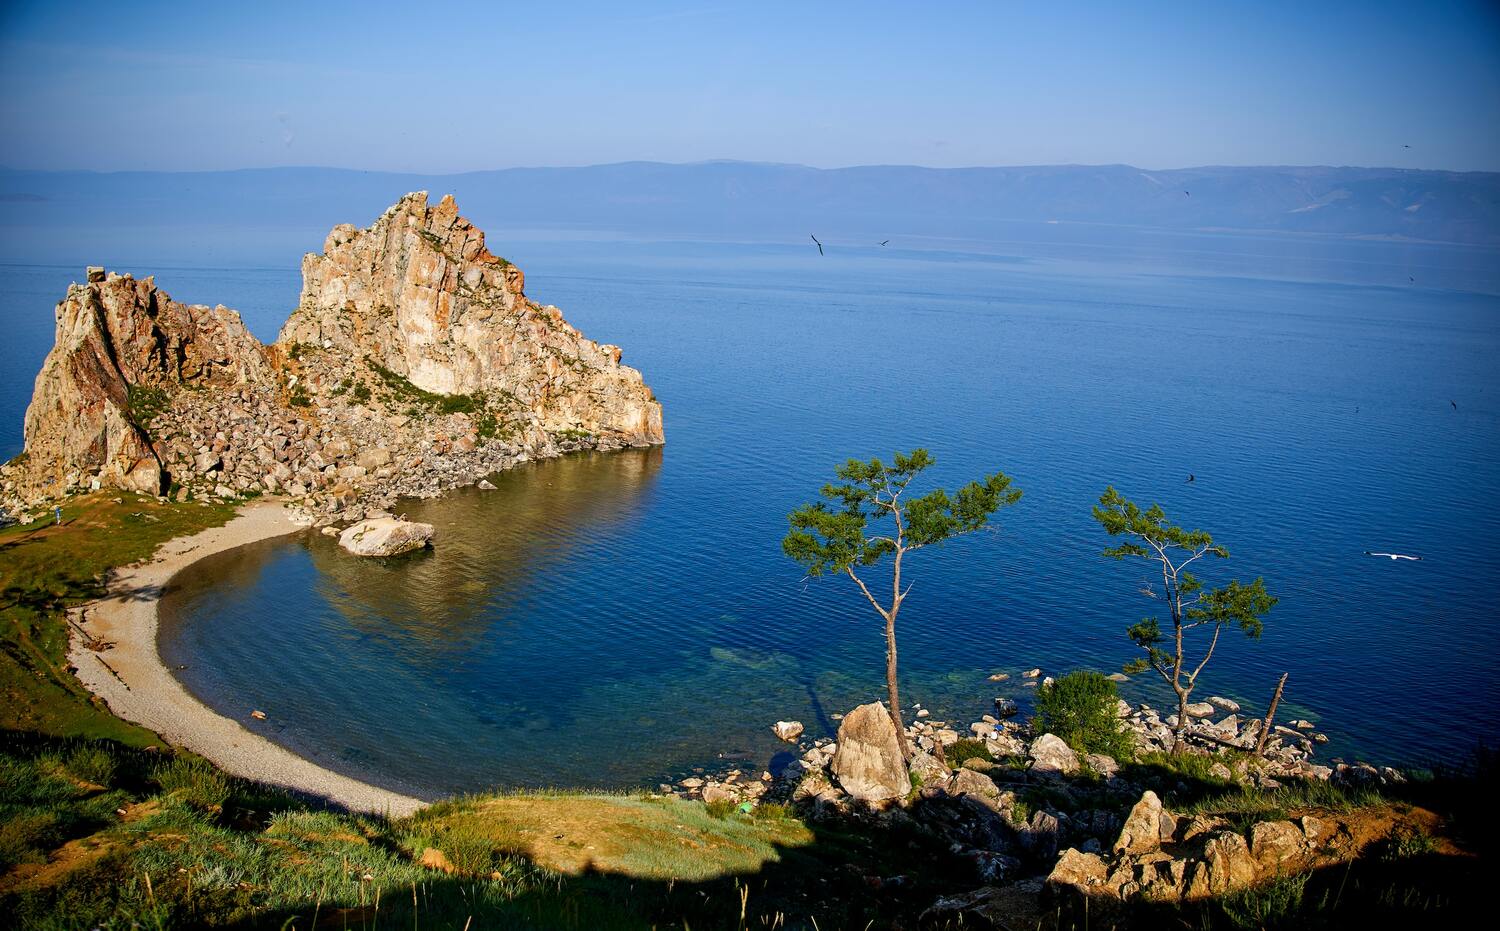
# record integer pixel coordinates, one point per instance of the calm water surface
(615, 619)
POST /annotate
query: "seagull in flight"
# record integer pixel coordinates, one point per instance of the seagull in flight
(1191, 478)
(886, 242)
(1455, 404)
(1395, 556)
(815, 239)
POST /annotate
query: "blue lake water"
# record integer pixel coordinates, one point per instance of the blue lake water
(615, 619)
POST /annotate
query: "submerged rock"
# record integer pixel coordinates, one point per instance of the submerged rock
(385, 536)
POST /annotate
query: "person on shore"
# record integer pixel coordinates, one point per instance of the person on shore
(57, 511)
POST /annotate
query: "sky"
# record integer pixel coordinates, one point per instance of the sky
(449, 87)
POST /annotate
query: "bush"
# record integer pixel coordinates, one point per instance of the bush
(92, 763)
(1080, 708)
(195, 781)
(967, 749)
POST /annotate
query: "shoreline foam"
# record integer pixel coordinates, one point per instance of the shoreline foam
(139, 688)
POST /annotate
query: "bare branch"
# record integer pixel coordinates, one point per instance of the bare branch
(861, 584)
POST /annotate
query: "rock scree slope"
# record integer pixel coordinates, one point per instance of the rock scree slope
(414, 362)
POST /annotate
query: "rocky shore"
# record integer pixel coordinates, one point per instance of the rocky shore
(413, 364)
(1036, 818)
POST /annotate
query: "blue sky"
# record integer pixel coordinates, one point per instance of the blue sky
(440, 86)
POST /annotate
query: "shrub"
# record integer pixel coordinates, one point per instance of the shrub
(720, 808)
(967, 749)
(195, 781)
(91, 763)
(1080, 708)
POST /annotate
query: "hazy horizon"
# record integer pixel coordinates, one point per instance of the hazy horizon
(778, 163)
(450, 88)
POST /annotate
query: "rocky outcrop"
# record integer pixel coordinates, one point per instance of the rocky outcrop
(413, 363)
(1160, 856)
(385, 536)
(417, 299)
(121, 346)
(868, 763)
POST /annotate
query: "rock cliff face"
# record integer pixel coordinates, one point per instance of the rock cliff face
(418, 295)
(413, 363)
(121, 344)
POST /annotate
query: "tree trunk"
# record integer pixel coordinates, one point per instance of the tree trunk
(892, 691)
(1265, 727)
(1182, 716)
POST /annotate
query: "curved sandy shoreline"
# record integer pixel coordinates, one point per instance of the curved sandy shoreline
(139, 688)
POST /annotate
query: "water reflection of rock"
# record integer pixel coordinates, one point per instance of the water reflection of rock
(488, 544)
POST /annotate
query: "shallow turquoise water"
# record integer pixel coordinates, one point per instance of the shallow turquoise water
(613, 619)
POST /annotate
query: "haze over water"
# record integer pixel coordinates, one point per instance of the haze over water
(616, 619)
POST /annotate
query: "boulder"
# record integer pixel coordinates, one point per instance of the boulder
(1103, 764)
(1079, 871)
(1031, 673)
(1006, 708)
(968, 782)
(1200, 709)
(1224, 703)
(1051, 755)
(788, 730)
(1273, 843)
(1226, 866)
(868, 763)
(1142, 830)
(385, 536)
(926, 767)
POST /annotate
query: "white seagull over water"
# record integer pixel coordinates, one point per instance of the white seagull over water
(1394, 556)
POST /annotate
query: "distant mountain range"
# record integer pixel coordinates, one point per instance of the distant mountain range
(757, 200)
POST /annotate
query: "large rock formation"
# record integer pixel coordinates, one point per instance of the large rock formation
(417, 296)
(413, 363)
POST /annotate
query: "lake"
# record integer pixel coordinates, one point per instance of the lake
(619, 619)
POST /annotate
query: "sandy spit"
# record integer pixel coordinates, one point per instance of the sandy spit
(132, 680)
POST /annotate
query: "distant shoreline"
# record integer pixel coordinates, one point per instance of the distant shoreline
(138, 687)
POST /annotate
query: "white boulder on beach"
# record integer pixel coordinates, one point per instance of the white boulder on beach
(385, 536)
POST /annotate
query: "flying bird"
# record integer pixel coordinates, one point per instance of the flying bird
(1406, 147)
(1455, 404)
(1410, 278)
(1188, 193)
(886, 242)
(1191, 478)
(815, 239)
(1395, 556)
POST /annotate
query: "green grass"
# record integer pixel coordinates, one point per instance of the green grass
(46, 568)
(967, 749)
(403, 389)
(261, 859)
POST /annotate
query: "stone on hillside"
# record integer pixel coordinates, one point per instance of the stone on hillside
(788, 730)
(868, 763)
(385, 537)
(1077, 870)
(968, 782)
(372, 459)
(1272, 843)
(1051, 755)
(926, 767)
(1227, 864)
(1103, 764)
(1142, 830)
